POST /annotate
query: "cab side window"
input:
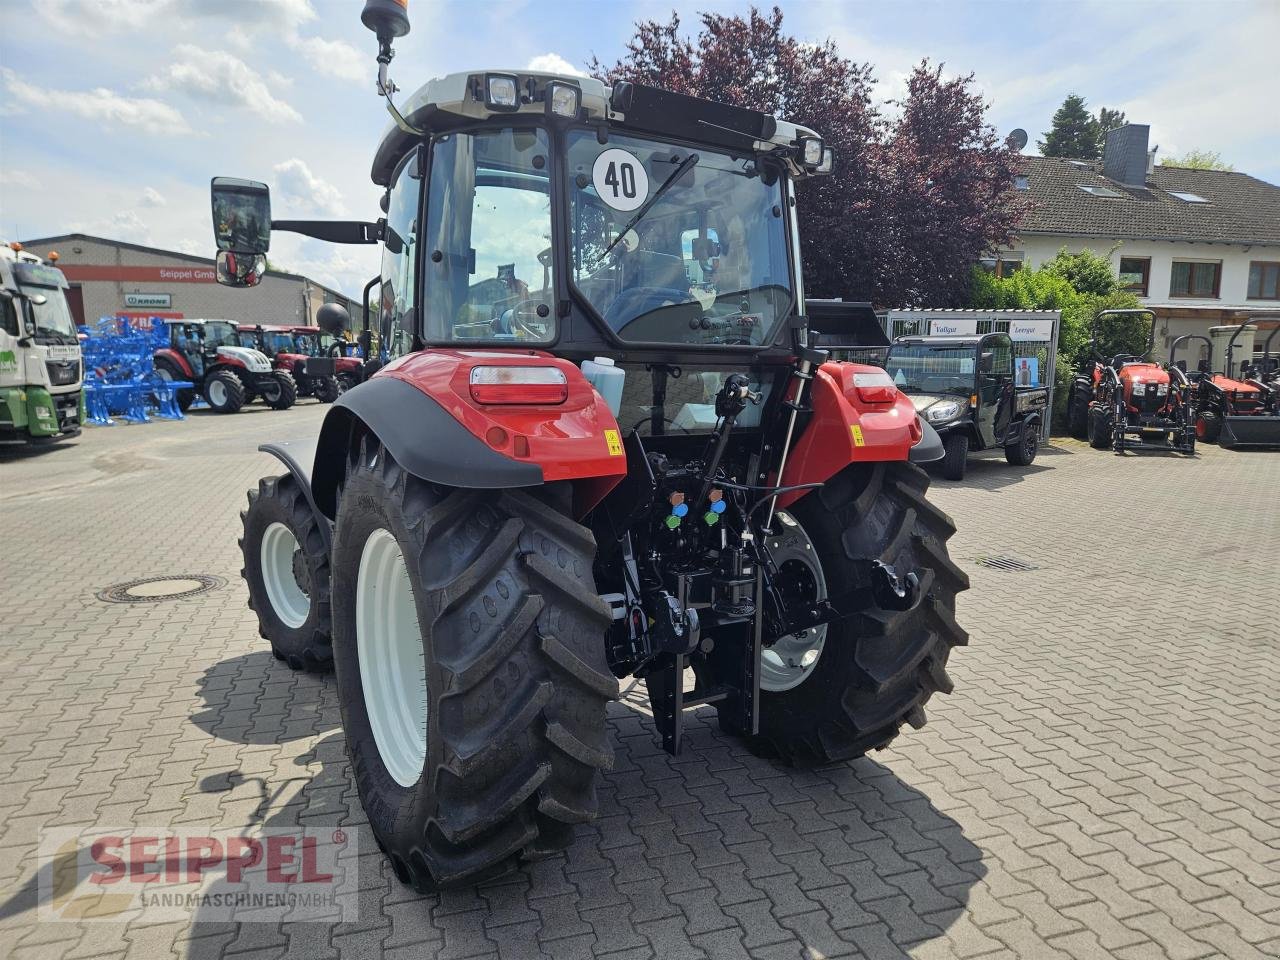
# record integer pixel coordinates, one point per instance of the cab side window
(8, 316)
(397, 306)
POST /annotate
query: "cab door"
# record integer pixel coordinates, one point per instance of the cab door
(995, 391)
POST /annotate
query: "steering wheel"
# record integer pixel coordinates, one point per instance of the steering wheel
(527, 318)
(1120, 359)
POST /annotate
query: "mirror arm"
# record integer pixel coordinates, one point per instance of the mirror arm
(335, 231)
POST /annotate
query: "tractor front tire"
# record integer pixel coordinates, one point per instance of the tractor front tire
(285, 394)
(1208, 426)
(346, 381)
(286, 567)
(879, 667)
(955, 458)
(327, 390)
(1099, 429)
(224, 391)
(469, 653)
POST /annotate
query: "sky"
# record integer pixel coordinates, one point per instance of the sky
(114, 114)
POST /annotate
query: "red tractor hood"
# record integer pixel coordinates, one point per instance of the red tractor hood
(1143, 372)
(1234, 386)
(346, 363)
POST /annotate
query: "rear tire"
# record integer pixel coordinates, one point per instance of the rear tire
(955, 459)
(1099, 429)
(1078, 416)
(1208, 426)
(878, 668)
(1023, 451)
(224, 391)
(286, 393)
(286, 567)
(168, 370)
(500, 616)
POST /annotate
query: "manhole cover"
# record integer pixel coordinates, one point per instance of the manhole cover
(152, 589)
(1010, 564)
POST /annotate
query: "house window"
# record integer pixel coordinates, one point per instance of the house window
(1188, 197)
(1020, 182)
(1195, 278)
(1135, 274)
(1264, 280)
(1003, 265)
(1098, 191)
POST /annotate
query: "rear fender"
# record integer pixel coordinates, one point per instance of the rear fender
(844, 429)
(297, 455)
(420, 408)
(178, 360)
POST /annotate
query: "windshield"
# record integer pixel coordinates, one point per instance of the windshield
(923, 369)
(674, 244)
(208, 335)
(53, 317)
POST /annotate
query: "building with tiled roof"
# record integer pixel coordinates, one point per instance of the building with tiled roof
(1200, 247)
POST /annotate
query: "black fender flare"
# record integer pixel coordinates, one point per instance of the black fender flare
(929, 447)
(1017, 429)
(297, 455)
(422, 435)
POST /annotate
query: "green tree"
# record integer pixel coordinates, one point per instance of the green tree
(1199, 160)
(1108, 120)
(1074, 133)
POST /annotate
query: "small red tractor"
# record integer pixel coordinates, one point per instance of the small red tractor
(1127, 402)
(1232, 410)
(601, 445)
(208, 354)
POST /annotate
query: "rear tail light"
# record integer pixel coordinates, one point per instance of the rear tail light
(875, 387)
(507, 385)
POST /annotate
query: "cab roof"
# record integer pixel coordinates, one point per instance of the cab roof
(457, 99)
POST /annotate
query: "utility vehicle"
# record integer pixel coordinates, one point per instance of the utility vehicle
(486, 536)
(1230, 410)
(208, 354)
(966, 388)
(299, 352)
(1126, 401)
(41, 368)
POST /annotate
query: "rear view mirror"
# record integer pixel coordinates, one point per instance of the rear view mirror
(240, 269)
(241, 215)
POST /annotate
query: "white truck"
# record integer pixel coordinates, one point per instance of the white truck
(41, 367)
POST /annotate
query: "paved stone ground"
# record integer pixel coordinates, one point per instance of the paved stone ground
(1104, 782)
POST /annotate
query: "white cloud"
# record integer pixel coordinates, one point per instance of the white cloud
(221, 77)
(99, 104)
(554, 63)
(189, 246)
(95, 17)
(124, 225)
(305, 192)
(13, 177)
(335, 58)
(151, 197)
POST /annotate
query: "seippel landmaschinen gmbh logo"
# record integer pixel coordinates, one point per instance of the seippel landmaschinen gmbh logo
(160, 873)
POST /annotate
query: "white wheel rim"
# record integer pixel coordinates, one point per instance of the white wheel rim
(163, 374)
(217, 393)
(393, 671)
(791, 660)
(289, 601)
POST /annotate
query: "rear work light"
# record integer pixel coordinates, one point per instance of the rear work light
(875, 387)
(521, 385)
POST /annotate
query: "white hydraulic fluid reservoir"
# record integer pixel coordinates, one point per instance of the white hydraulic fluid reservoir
(607, 379)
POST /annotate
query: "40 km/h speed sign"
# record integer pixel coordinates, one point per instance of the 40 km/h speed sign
(620, 179)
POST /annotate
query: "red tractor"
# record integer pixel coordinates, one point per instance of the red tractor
(602, 445)
(297, 350)
(1126, 402)
(208, 353)
(1232, 411)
